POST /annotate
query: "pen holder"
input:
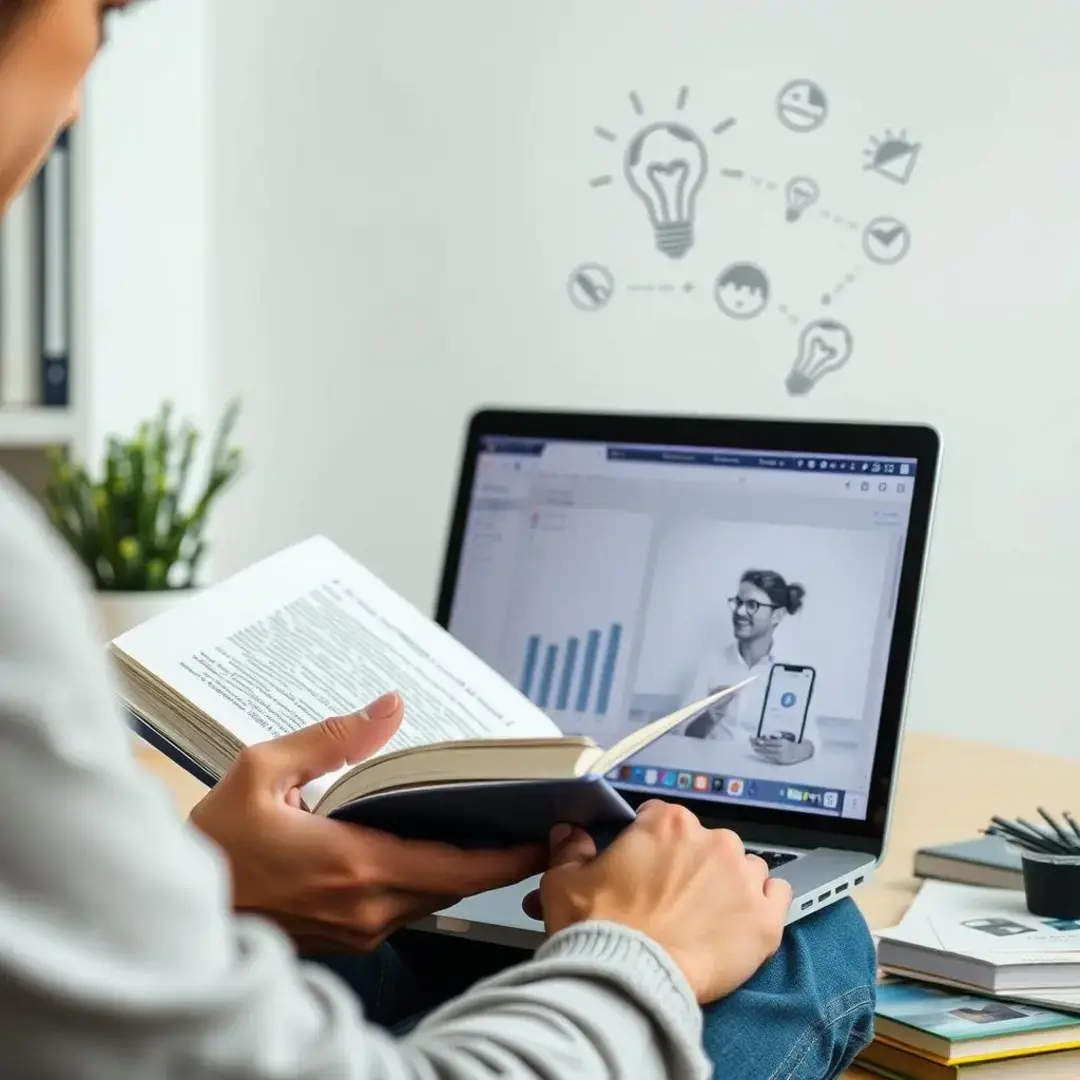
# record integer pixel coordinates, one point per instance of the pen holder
(1051, 884)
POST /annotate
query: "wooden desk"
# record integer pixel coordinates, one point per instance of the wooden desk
(948, 789)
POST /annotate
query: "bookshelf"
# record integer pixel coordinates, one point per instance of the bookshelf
(36, 428)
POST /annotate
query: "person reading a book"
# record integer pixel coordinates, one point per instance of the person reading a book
(758, 608)
(134, 945)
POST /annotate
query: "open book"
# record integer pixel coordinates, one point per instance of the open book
(309, 633)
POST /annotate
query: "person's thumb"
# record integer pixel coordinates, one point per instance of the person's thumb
(294, 760)
(570, 846)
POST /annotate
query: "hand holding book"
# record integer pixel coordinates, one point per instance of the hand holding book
(236, 684)
(695, 891)
(338, 887)
(333, 886)
(309, 633)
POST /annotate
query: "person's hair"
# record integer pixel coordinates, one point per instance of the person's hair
(780, 592)
(12, 12)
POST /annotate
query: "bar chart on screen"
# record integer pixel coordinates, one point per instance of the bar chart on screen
(576, 674)
(577, 590)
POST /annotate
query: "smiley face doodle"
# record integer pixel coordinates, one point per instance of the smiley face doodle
(742, 291)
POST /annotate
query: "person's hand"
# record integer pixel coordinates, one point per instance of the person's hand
(781, 751)
(694, 891)
(329, 884)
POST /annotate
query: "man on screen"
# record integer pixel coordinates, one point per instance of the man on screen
(761, 603)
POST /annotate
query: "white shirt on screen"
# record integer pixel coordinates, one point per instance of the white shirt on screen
(741, 713)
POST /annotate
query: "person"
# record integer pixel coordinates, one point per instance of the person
(760, 604)
(137, 945)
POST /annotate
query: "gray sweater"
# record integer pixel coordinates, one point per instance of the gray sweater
(120, 957)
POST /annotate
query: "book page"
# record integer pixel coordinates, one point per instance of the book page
(309, 633)
(986, 924)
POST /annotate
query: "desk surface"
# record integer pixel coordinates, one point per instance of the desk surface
(948, 789)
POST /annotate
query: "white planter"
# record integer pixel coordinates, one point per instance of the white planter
(120, 611)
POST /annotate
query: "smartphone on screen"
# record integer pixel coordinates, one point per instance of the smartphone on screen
(787, 701)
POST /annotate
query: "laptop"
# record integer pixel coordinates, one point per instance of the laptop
(617, 566)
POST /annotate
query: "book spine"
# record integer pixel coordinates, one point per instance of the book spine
(169, 749)
(19, 303)
(55, 306)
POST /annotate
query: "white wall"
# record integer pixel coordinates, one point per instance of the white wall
(400, 191)
(145, 207)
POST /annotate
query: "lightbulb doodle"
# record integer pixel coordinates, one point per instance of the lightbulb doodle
(801, 193)
(665, 165)
(824, 347)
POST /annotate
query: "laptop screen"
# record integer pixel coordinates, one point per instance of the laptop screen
(614, 583)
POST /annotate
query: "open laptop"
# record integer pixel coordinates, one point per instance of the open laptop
(615, 567)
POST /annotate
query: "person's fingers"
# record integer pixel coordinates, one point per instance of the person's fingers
(571, 847)
(778, 894)
(758, 868)
(293, 760)
(651, 807)
(426, 867)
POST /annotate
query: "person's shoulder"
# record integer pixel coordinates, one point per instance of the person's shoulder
(42, 586)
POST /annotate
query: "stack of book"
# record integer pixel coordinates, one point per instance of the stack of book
(926, 1033)
(977, 986)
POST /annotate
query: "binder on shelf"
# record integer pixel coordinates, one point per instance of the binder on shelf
(20, 350)
(55, 218)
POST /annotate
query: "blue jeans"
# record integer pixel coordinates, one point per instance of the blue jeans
(803, 1016)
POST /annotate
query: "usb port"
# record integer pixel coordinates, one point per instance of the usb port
(824, 896)
(807, 905)
(841, 888)
(858, 881)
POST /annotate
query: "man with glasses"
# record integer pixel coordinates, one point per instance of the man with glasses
(761, 603)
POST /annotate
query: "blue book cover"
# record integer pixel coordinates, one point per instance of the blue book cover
(954, 1020)
(494, 813)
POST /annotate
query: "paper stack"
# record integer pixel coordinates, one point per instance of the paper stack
(1013, 1004)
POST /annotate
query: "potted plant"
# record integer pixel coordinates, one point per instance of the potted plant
(140, 537)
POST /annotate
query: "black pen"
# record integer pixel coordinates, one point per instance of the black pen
(1072, 823)
(1029, 836)
(1016, 839)
(1064, 837)
(1055, 846)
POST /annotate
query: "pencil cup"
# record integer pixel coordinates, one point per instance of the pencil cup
(1052, 884)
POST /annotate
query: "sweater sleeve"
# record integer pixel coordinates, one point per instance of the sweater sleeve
(120, 957)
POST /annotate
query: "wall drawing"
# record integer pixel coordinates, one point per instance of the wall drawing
(667, 162)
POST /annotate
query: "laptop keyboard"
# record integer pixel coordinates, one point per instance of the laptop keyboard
(775, 858)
